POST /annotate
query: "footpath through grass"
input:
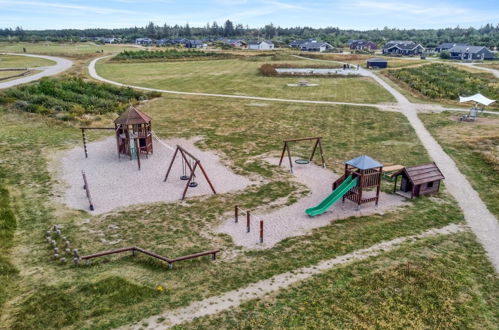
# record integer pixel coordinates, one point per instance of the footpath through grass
(474, 146)
(438, 283)
(122, 290)
(242, 77)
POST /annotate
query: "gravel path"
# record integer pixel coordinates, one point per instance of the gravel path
(483, 223)
(61, 65)
(115, 184)
(292, 220)
(259, 289)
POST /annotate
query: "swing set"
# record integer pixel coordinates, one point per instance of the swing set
(286, 148)
(191, 163)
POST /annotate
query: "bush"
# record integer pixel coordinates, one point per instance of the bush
(168, 54)
(444, 55)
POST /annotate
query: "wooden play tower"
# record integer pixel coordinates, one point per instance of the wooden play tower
(133, 133)
(369, 172)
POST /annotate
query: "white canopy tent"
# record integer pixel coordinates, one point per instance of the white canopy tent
(478, 98)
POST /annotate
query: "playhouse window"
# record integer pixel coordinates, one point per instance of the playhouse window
(430, 184)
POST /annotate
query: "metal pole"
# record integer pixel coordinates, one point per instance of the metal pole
(236, 212)
(247, 221)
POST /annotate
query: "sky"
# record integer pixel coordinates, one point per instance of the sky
(345, 14)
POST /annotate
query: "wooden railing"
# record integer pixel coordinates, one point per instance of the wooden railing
(170, 261)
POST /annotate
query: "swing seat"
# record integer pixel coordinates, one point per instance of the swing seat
(193, 184)
(184, 177)
(302, 161)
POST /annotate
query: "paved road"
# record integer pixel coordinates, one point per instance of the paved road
(61, 65)
(483, 223)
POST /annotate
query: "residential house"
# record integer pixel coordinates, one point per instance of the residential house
(143, 41)
(298, 43)
(316, 46)
(397, 47)
(447, 46)
(195, 44)
(261, 45)
(471, 53)
(362, 45)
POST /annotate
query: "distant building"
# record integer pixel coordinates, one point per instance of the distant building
(316, 46)
(471, 53)
(378, 63)
(362, 45)
(447, 46)
(397, 47)
(195, 44)
(298, 43)
(143, 41)
(261, 45)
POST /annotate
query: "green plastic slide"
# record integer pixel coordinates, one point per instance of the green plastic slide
(337, 194)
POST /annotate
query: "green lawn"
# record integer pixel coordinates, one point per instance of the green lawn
(12, 61)
(439, 283)
(112, 293)
(241, 77)
(74, 50)
(475, 149)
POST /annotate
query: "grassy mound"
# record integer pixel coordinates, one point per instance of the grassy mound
(169, 54)
(70, 98)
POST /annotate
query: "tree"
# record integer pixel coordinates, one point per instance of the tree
(228, 29)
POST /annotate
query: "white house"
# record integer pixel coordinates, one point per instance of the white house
(261, 45)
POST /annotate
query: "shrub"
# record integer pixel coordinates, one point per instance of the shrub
(444, 55)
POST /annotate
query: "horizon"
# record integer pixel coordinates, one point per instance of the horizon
(358, 15)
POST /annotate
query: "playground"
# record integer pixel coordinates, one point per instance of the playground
(116, 183)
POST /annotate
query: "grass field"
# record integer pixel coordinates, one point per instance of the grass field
(475, 149)
(241, 77)
(409, 288)
(491, 65)
(239, 131)
(73, 50)
(11, 61)
(6, 74)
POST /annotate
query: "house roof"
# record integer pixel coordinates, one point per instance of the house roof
(466, 49)
(405, 45)
(259, 42)
(422, 173)
(132, 116)
(314, 44)
(377, 59)
(364, 162)
(449, 45)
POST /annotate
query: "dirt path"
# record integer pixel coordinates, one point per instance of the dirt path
(259, 289)
(61, 65)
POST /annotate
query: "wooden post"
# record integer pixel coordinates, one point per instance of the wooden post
(261, 231)
(171, 164)
(380, 173)
(189, 181)
(84, 142)
(289, 156)
(248, 221)
(282, 154)
(236, 213)
(87, 190)
(322, 153)
(137, 151)
(206, 176)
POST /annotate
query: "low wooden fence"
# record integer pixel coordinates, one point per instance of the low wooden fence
(135, 249)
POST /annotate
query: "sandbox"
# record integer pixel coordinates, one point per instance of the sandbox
(292, 220)
(117, 183)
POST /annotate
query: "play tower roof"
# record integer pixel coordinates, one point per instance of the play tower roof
(132, 116)
(364, 162)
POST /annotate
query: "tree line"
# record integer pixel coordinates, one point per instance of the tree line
(487, 35)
